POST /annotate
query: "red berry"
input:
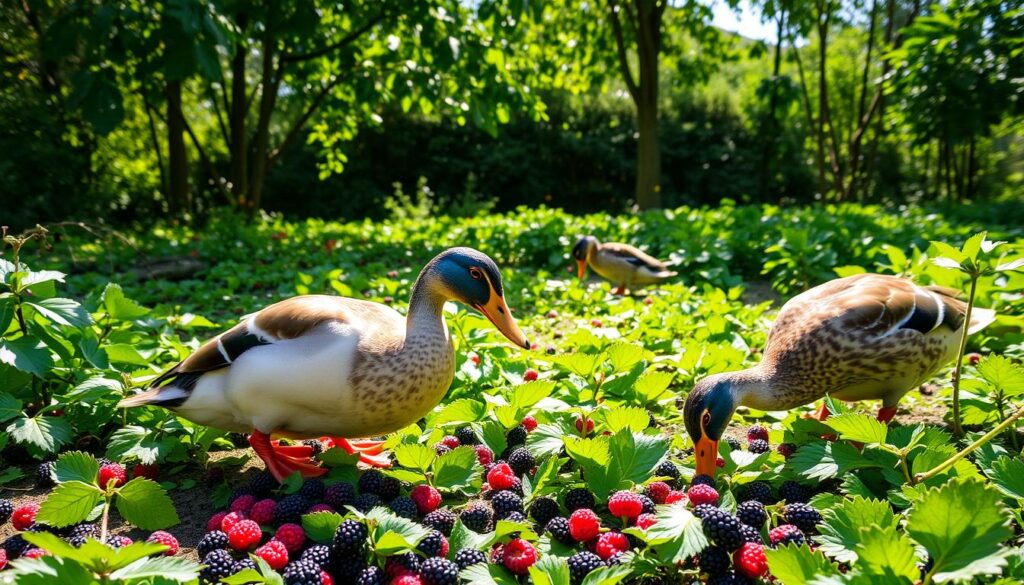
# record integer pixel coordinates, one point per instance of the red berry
(243, 504)
(24, 516)
(244, 535)
(595, 323)
(501, 477)
(530, 375)
(579, 424)
(529, 422)
(167, 539)
(262, 512)
(702, 494)
(625, 505)
(675, 496)
(214, 522)
(750, 560)
(610, 544)
(392, 274)
(427, 499)
(230, 520)
(645, 521)
(451, 441)
(553, 314)
(786, 449)
(973, 358)
(657, 491)
(780, 533)
(584, 525)
(518, 556)
(484, 455)
(112, 472)
(325, 578)
(407, 579)
(719, 462)
(3, 559)
(320, 508)
(292, 535)
(475, 359)
(648, 300)
(34, 553)
(275, 553)
(146, 471)
(757, 432)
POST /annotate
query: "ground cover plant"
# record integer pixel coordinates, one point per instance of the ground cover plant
(566, 464)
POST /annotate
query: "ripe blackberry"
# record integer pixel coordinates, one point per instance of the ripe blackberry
(242, 565)
(722, 529)
(347, 568)
(432, 545)
(404, 506)
(516, 436)
(319, 554)
(211, 541)
(468, 557)
(543, 509)
(350, 536)
(703, 510)
(218, 566)
(581, 564)
(751, 534)
(714, 560)
(467, 436)
(313, 489)
(408, 561)
(315, 445)
(366, 502)
(521, 460)
(733, 443)
(647, 504)
(372, 575)
(558, 527)
(758, 446)
(803, 516)
(580, 497)
(728, 578)
(437, 571)
(793, 492)
(752, 513)
(45, 476)
(517, 517)
(262, 484)
(440, 520)
(339, 495)
(6, 509)
(477, 517)
(301, 573)
(78, 533)
(14, 546)
(758, 491)
(290, 509)
(702, 479)
(440, 449)
(504, 503)
(667, 469)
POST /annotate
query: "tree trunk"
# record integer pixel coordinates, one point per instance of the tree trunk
(648, 167)
(177, 156)
(771, 131)
(819, 152)
(261, 141)
(239, 175)
(824, 115)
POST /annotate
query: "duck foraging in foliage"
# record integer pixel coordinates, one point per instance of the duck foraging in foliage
(317, 365)
(621, 264)
(863, 337)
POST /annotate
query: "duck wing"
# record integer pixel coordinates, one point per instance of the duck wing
(635, 256)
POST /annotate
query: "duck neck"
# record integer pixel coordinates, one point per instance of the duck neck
(752, 387)
(425, 321)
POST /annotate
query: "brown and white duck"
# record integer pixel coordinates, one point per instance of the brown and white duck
(622, 264)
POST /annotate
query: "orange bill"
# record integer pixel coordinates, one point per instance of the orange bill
(706, 452)
(497, 312)
(582, 268)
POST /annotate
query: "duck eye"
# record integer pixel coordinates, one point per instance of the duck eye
(475, 273)
(706, 419)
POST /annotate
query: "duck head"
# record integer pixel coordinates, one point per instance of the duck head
(582, 251)
(707, 412)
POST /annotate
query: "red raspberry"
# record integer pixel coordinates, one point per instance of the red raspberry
(475, 359)
(786, 449)
(645, 521)
(518, 555)
(529, 422)
(320, 508)
(780, 533)
(973, 358)
(451, 441)
(407, 579)
(553, 314)
(167, 539)
(584, 524)
(275, 553)
(146, 471)
(230, 520)
(579, 424)
(3, 559)
(610, 544)
(625, 505)
(214, 522)
(750, 560)
(244, 535)
(112, 471)
(325, 578)
(657, 491)
(483, 454)
(595, 322)
(501, 477)
(648, 300)
(675, 496)
(262, 512)
(719, 462)
(427, 499)
(24, 516)
(34, 553)
(243, 504)
(292, 535)
(530, 375)
(757, 432)
(702, 494)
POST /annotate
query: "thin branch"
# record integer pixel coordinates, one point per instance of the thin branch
(156, 144)
(303, 119)
(344, 41)
(218, 113)
(620, 45)
(207, 164)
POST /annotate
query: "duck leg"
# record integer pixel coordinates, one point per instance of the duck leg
(284, 460)
(886, 413)
(370, 452)
(621, 290)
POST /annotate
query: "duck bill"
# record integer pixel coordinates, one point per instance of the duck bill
(498, 313)
(581, 269)
(706, 453)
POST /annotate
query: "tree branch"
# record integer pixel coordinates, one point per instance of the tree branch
(217, 113)
(207, 164)
(620, 45)
(303, 119)
(346, 40)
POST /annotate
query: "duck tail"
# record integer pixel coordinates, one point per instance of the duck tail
(168, 396)
(980, 319)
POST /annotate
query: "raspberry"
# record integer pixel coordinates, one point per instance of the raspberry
(243, 504)
(374, 482)
(610, 544)
(703, 479)
(758, 446)
(516, 436)
(34, 553)
(244, 535)
(433, 545)
(437, 571)
(372, 575)
(466, 436)
(483, 454)
(501, 477)
(582, 564)
(702, 494)
(674, 497)
(301, 573)
(645, 521)
(558, 527)
(339, 495)
(579, 424)
(793, 492)
(366, 502)
(228, 522)
(751, 534)
(584, 525)
(504, 503)
(722, 529)
(625, 505)
(3, 559)
(757, 491)
(6, 509)
(529, 422)
(262, 512)
(803, 516)
(657, 491)
(318, 553)
(211, 541)
(404, 507)
(350, 536)
(757, 432)
(274, 553)
(290, 509)
(667, 469)
(313, 490)
(218, 566)
(325, 578)
(24, 516)
(752, 513)
(112, 472)
(713, 560)
(468, 557)
(427, 499)
(476, 517)
(973, 358)
(543, 509)
(750, 561)
(450, 441)
(292, 536)
(577, 498)
(214, 522)
(167, 539)
(521, 461)
(408, 579)
(518, 555)
(320, 508)
(786, 449)
(441, 520)
(786, 534)
(45, 476)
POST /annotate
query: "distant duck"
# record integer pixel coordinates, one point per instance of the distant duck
(317, 365)
(622, 264)
(863, 337)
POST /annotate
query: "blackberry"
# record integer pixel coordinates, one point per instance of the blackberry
(375, 482)
(290, 509)
(431, 545)
(319, 554)
(558, 527)
(667, 469)
(793, 492)
(440, 520)
(315, 445)
(467, 436)
(79, 532)
(45, 475)
(517, 517)
(793, 536)
(728, 578)
(577, 498)
(702, 479)
(758, 446)
(752, 513)
(722, 529)
(372, 575)
(651, 421)
(410, 561)
(339, 495)
(218, 566)
(437, 571)
(211, 541)
(543, 509)
(521, 461)
(301, 573)
(703, 510)
(758, 491)
(14, 546)
(468, 557)
(366, 502)
(242, 565)
(714, 560)
(751, 534)
(347, 567)
(350, 537)
(582, 564)
(262, 484)
(404, 506)
(733, 443)
(6, 509)
(648, 505)
(313, 489)
(440, 449)
(504, 503)
(803, 516)
(516, 436)
(476, 517)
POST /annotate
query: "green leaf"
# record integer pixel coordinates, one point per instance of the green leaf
(10, 407)
(1008, 475)
(550, 570)
(1002, 374)
(798, 565)
(530, 393)
(119, 306)
(321, 526)
(174, 568)
(69, 503)
(49, 570)
(636, 455)
(618, 418)
(463, 410)
(487, 574)
(62, 311)
(579, 363)
(652, 384)
(858, 427)
(124, 353)
(677, 535)
(77, 466)
(886, 553)
(145, 504)
(463, 537)
(607, 575)
(840, 531)
(827, 460)
(135, 441)
(46, 433)
(135, 551)
(493, 435)
(244, 577)
(547, 440)
(415, 456)
(57, 546)
(34, 277)
(624, 355)
(28, 355)
(458, 469)
(961, 525)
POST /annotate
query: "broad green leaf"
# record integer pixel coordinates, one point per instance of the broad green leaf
(456, 470)
(463, 410)
(34, 277)
(652, 384)
(69, 503)
(135, 551)
(28, 355)
(415, 455)
(624, 355)
(618, 418)
(10, 407)
(636, 455)
(530, 393)
(677, 535)
(62, 311)
(797, 565)
(858, 427)
(135, 441)
(1002, 374)
(76, 466)
(57, 546)
(547, 440)
(580, 363)
(493, 435)
(49, 570)
(321, 526)
(886, 553)
(507, 415)
(173, 568)
(46, 433)
(607, 575)
(122, 353)
(463, 537)
(487, 574)
(392, 534)
(96, 387)
(1008, 475)
(840, 531)
(244, 577)
(590, 451)
(550, 570)
(145, 504)
(121, 307)
(827, 460)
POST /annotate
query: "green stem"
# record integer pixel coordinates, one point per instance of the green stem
(106, 515)
(970, 448)
(906, 469)
(958, 430)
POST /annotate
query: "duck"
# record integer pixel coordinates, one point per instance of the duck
(621, 264)
(862, 337)
(315, 366)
